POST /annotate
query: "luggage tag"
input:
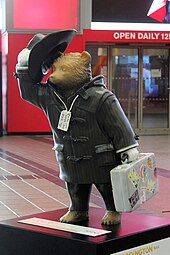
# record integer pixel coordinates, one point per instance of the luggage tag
(64, 120)
(65, 115)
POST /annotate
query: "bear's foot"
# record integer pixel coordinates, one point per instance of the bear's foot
(111, 218)
(74, 216)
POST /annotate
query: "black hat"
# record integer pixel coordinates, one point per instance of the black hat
(44, 49)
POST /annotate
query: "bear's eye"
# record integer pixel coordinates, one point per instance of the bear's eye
(64, 68)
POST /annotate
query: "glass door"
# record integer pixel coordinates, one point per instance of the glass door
(99, 61)
(124, 69)
(140, 80)
(155, 73)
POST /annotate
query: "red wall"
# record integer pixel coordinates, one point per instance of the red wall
(22, 116)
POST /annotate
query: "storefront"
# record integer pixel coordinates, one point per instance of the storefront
(136, 59)
(138, 73)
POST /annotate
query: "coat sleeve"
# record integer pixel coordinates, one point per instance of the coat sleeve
(29, 91)
(115, 125)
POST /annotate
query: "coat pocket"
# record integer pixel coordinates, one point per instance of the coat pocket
(105, 154)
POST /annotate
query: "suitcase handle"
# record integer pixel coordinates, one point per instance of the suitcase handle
(124, 158)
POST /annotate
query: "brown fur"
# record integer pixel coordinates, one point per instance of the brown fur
(71, 70)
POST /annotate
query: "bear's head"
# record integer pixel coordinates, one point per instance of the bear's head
(71, 71)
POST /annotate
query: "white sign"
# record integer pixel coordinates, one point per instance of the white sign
(64, 227)
(144, 36)
(161, 247)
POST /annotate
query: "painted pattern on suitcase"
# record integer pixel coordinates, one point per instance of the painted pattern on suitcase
(134, 183)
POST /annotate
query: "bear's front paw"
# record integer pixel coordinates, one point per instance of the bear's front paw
(74, 216)
(111, 218)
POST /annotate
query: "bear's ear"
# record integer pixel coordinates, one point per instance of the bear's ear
(86, 57)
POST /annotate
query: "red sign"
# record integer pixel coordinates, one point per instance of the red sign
(46, 15)
(141, 36)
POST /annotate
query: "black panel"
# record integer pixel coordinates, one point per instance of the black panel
(121, 11)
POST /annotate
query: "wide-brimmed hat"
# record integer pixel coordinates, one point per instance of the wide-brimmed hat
(44, 49)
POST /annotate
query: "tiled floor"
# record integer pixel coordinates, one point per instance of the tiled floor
(29, 180)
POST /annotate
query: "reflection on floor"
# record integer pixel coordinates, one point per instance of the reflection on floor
(29, 180)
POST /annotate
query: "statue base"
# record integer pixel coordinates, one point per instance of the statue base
(135, 230)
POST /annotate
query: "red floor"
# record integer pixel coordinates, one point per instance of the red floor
(29, 180)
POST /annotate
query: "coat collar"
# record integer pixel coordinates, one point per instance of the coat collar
(98, 81)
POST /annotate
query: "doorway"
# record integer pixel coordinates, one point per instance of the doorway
(139, 76)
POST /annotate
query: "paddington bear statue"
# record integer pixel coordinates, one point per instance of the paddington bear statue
(91, 133)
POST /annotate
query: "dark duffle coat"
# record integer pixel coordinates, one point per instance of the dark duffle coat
(98, 128)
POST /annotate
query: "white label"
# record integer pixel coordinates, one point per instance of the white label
(65, 227)
(64, 120)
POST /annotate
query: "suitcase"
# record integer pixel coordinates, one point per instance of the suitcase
(134, 183)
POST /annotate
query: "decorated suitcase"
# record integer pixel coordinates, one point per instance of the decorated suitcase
(134, 183)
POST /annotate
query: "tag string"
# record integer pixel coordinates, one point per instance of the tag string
(65, 104)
